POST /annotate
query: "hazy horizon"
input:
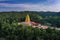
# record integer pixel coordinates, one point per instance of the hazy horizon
(30, 5)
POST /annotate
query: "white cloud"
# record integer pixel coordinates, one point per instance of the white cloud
(34, 7)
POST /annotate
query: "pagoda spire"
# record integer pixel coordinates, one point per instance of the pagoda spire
(27, 18)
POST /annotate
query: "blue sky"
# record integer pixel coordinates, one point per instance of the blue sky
(30, 5)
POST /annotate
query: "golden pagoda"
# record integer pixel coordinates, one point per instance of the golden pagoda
(27, 19)
(28, 22)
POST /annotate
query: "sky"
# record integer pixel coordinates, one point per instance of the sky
(30, 5)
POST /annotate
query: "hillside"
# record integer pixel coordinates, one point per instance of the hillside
(10, 30)
(45, 18)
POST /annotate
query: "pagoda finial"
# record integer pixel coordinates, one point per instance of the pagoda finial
(27, 18)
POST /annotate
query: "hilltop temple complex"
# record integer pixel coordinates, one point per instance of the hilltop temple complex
(28, 22)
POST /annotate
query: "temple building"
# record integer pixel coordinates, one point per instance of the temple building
(28, 22)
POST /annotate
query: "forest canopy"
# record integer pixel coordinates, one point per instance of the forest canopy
(45, 18)
(10, 30)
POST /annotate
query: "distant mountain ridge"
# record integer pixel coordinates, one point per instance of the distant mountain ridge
(44, 14)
